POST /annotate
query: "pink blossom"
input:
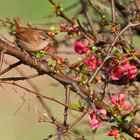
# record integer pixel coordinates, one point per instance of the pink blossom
(132, 77)
(131, 67)
(79, 33)
(91, 62)
(47, 48)
(131, 72)
(92, 66)
(86, 62)
(120, 101)
(121, 98)
(115, 77)
(102, 111)
(94, 122)
(125, 69)
(99, 62)
(80, 47)
(138, 130)
(117, 72)
(113, 100)
(125, 64)
(127, 107)
(93, 58)
(115, 133)
(63, 25)
(69, 28)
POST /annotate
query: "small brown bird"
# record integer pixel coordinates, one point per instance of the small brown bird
(29, 39)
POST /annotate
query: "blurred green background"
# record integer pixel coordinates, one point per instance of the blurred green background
(31, 10)
(24, 125)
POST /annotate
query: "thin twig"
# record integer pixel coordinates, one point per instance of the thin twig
(113, 11)
(95, 8)
(77, 120)
(38, 94)
(130, 25)
(23, 101)
(85, 32)
(64, 126)
(20, 77)
(61, 14)
(124, 12)
(130, 37)
(10, 67)
(98, 69)
(87, 15)
(93, 134)
(67, 103)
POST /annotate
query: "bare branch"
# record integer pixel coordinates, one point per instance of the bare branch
(130, 25)
(113, 11)
(64, 126)
(10, 67)
(87, 15)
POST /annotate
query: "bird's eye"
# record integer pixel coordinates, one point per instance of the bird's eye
(42, 38)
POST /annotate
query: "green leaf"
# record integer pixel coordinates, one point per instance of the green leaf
(134, 57)
(128, 119)
(74, 106)
(74, 34)
(81, 75)
(117, 52)
(81, 78)
(53, 28)
(38, 55)
(60, 7)
(11, 29)
(128, 50)
(94, 49)
(52, 63)
(79, 102)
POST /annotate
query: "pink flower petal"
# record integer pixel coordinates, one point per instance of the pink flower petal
(92, 66)
(132, 76)
(99, 62)
(94, 122)
(121, 98)
(103, 111)
(86, 62)
(127, 107)
(47, 48)
(80, 47)
(112, 133)
(93, 58)
(113, 100)
(115, 133)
